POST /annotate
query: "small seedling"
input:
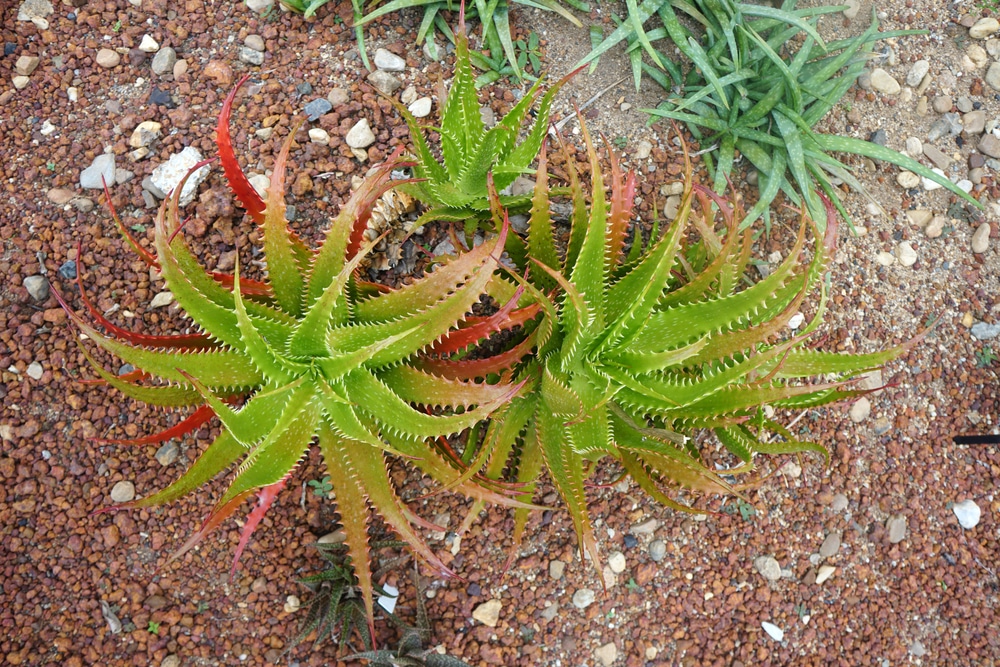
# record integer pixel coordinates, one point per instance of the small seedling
(801, 610)
(138, 228)
(117, 26)
(632, 586)
(985, 357)
(321, 487)
(202, 607)
(153, 628)
(620, 142)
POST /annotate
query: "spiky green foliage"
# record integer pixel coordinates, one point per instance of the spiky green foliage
(313, 354)
(751, 89)
(641, 350)
(455, 188)
(336, 607)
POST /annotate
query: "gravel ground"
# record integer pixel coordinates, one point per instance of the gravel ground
(861, 563)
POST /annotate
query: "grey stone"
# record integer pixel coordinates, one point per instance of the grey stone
(839, 503)
(259, 6)
(937, 156)
(255, 42)
(163, 61)
(123, 492)
(338, 96)
(992, 77)
(34, 11)
(981, 238)
(25, 65)
(919, 217)
(103, 165)
(387, 61)
(984, 331)
(607, 654)
(583, 598)
(884, 83)
(964, 104)
(421, 108)
(768, 567)
(250, 56)
(168, 453)
(647, 527)
(617, 563)
(316, 108)
(989, 145)
(107, 58)
(917, 73)
(556, 569)
(657, 550)
(879, 137)
(942, 103)
(896, 527)
(861, 409)
(551, 611)
(384, 82)
(983, 28)
(68, 270)
(38, 287)
(830, 546)
(974, 122)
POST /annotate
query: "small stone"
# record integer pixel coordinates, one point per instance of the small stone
(255, 42)
(361, 135)
(767, 567)
(896, 527)
(853, 7)
(144, 134)
(983, 28)
(917, 649)
(408, 96)
(937, 156)
(989, 144)
(384, 82)
(174, 660)
(824, 572)
(167, 454)
(607, 654)
(161, 97)
(984, 331)
(34, 370)
(421, 108)
(387, 61)
(102, 166)
(981, 238)
(879, 137)
(830, 546)
(25, 65)
(643, 150)
(259, 6)
(260, 183)
(488, 613)
(68, 270)
(108, 58)
(551, 611)
(883, 82)
(317, 135)
(583, 598)
(556, 569)
(974, 122)
(919, 217)
(38, 287)
(839, 503)
(917, 73)
(338, 96)
(616, 561)
(992, 77)
(964, 184)
(162, 299)
(316, 108)
(163, 61)
(657, 550)
(977, 56)
(908, 180)
(776, 633)
(123, 492)
(20, 82)
(914, 147)
(905, 253)
(149, 45)
(968, 513)
(942, 104)
(168, 175)
(647, 527)
(250, 56)
(935, 227)
(930, 185)
(292, 604)
(73, 93)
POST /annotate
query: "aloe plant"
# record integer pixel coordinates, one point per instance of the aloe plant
(455, 188)
(311, 354)
(749, 91)
(638, 351)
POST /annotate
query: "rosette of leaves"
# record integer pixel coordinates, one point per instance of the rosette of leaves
(311, 354)
(640, 350)
(753, 88)
(455, 188)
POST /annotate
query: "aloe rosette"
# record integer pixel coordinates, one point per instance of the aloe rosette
(639, 351)
(455, 188)
(312, 354)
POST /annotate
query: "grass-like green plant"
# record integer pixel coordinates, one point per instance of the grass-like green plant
(504, 56)
(455, 188)
(640, 350)
(753, 89)
(311, 354)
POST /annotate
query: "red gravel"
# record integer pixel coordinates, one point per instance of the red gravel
(931, 599)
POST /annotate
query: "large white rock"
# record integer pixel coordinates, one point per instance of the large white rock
(103, 165)
(361, 135)
(968, 513)
(168, 175)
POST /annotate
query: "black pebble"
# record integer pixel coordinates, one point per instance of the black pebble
(161, 97)
(9, 48)
(631, 542)
(474, 589)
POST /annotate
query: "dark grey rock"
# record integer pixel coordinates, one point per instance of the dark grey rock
(316, 108)
(304, 88)
(984, 331)
(878, 137)
(68, 270)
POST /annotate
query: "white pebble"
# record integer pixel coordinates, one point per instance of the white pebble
(968, 513)
(318, 135)
(824, 573)
(860, 410)
(616, 562)
(123, 492)
(905, 253)
(776, 633)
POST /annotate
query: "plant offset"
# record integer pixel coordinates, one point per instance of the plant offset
(646, 349)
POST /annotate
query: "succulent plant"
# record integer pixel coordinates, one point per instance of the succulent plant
(311, 354)
(455, 188)
(639, 351)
